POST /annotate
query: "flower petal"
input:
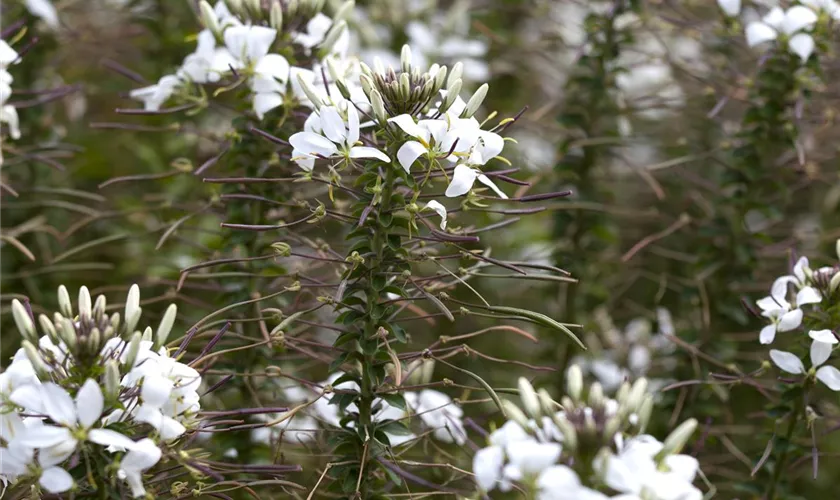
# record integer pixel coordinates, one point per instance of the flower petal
(787, 361)
(333, 124)
(758, 32)
(768, 333)
(313, 144)
(826, 336)
(107, 437)
(487, 182)
(156, 390)
(29, 398)
(820, 352)
(798, 18)
(463, 179)
(440, 209)
(56, 480)
(487, 467)
(58, 404)
(368, 152)
(89, 403)
(808, 295)
(43, 436)
(790, 320)
(265, 102)
(408, 154)
(802, 44)
(352, 124)
(407, 124)
(829, 376)
(730, 7)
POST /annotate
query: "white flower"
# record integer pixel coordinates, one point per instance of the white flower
(155, 95)
(487, 467)
(510, 432)
(55, 480)
(778, 310)
(440, 209)
(316, 30)
(439, 412)
(463, 179)
(434, 138)
(559, 482)
(8, 55)
(634, 471)
(830, 7)
(142, 457)
(531, 457)
(337, 137)
(821, 347)
(730, 7)
(791, 23)
(45, 10)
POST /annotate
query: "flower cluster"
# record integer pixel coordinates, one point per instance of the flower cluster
(793, 298)
(586, 448)
(235, 45)
(793, 27)
(437, 414)
(8, 113)
(86, 390)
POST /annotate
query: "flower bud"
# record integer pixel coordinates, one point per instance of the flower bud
(23, 322)
(132, 308)
(837, 247)
(208, 18)
(36, 359)
(310, 92)
(275, 16)
(569, 433)
(596, 395)
(67, 333)
(405, 59)
(378, 106)
(235, 6)
(332, 36)
(574, 382)
(514, 413)
(834, 283)
(255, 8)
(455, 74)
(48, 328)
(548, 405)
(529, 398)
(440, 78)
(344, 11)
(622, 393)
(99, 307)
(292, 7)
(94, 340)
(85, 310)
(132, 350)
(645, 411)
(112, 380)
(165, 326)
(451, 95)
(405, 86)
(475, 101)
(115, 321)
(147, 334)
(64, 304)
(675, 441)
(636, 395)
(427, 369)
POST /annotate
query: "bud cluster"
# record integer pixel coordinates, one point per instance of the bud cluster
(408, 90)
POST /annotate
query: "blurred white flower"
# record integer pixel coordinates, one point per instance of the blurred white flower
(791, 23)
(45, 10)
(730, 7)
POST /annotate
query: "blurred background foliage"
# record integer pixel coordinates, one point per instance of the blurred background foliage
(647, 127)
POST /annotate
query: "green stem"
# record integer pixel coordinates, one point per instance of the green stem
(783, 457)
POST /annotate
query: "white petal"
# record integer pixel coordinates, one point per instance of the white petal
(156, 390)
(274, 66)
(774, 18)
(802, 44)
(106, 437)
(798, 18)
(8, 55)
(790, 320)
(368, 152)
(487, 467)
(440, 209)
(493, 144)
(730, 7)
(620, 477)
(56, 480)
(463, 179)
(144, 455)
(684, 466)
(558, 479)
(823, 336)
(820, 352)
(45, 10)
(352, 124)
(487, 182)
(58, 404)
(407, 124)
(333, 124)
(787, 361)
(779, 290)
(313, 144)
(43, 436)
(259, 41)
(758, 32)
(767, 335)
(265, 102)
(89, 403)
(29, 397)
(408, 154)
(829, 376)
(532, 457)
(807, 295)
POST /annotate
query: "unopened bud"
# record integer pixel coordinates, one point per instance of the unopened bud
(99, 307)
(132, 308)
(378, 106)
(94, 340)
(208, 18)
(235, 6)
(281, 249)
(837, 247)
(636, 395)
(343, 12)
(451, 96)
(255, 7)
(427, 369)
(64, 304)
(23, 322)
(115, 321)
(108, 333)
(644, 412)
(596, 395)
(332, 36)
(147, 334)
(48, 328)
(165, 326)
(514, 413)
(112, 380)
(475, 101)
(85, 308)
(455, 74)
(574, 382)
(548, 405)
(569, 433)
(132, 350)
(35, 358)
(440, 78)
(292, 7)
(405, 86)
(67, 333)
(834, 283)
(622, 393)
(611, 427)
(275, 16)
(529, 398)
(310, 92)
(675, 441)
(405, 59)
